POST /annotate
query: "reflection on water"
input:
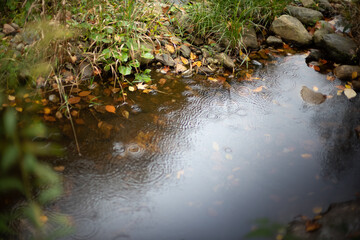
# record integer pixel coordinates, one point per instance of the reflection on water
(203, 161)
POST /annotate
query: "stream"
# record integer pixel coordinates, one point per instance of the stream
(202, 161)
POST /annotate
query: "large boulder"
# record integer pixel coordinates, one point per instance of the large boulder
(346, 72)
(325, 7)
(339, 48)
(291, 29)
(305, 15)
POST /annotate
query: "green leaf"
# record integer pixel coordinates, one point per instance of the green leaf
(135, 63)
(107, 68)
(142, 77)
(9, 158)
(46, 175)
(11, 183)
(36, 129)
(124, 70)
(50, 194)
(33, 212)
(107, 53)
(30, 162)
(147, 55)
(10, 122)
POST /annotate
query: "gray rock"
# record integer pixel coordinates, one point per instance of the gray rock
(249, 38)
(312, 97)
(305, 15)
(319, 35)
(339, 48)
(165, 59)
(205, 53)
(225, 60)
(86, 70)
(344, 72)
(185, 51)
(327, 26)
(274, 41)
(291, 29)
(17, 39)
(325, 6)
(307, 3)
(314, 55)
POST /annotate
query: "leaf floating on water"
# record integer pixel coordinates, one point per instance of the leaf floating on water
(162, 81)
(84, 93)
(258, 89)
(317, 210)
(306, 155)
(315, 88)
(216, 146)
(110, 108)
(80, 121)
(74, 100)
(11, 98)
(212, 79)
(179, 174)
(49, 118)
(349, 93)
(59, 168)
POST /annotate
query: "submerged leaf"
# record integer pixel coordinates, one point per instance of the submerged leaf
(110, 108)
(74, 100)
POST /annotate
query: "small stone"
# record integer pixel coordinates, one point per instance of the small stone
(8, 29)
(53, 98)
(346, 72)
(20, 47)
(165, 59)
(225, 60)
(274, 41)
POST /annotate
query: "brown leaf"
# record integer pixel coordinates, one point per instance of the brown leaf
(162, 81)
(170, 48)
(47, 111)
(306, 155)
(49, 118)
(110, 108)
(59, 168)
(125, 114)
(312, 226)
(84, 93)
(74, 100)
(80, 121)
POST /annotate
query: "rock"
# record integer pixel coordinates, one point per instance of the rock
(20, 47)
(249, 39)
(205, 53)
(319, 35)
(327, 26)
(307, 3)
(345, 72)
(17, 39)
(356, 87)
(339, 48)
(225, 60)
(8, 29)
(256, 63)
(165, 59)
(86, 70)
(206, 70)
(340, 221)
(274, 41)
(14, 25)
(314, 55)
(291, 29)
(325, 7)
(305, 15)
(312, 97)
(185, 51)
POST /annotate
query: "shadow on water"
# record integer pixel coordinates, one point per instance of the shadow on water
(202, 161)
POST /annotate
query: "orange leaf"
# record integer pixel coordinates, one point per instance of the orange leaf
(59, 168)
(184, 60)
(84, 93)
(354, 75)
(49, 118)
(323, 61)
(312, 226)
(192, 56)
(97, 71)
(198, 63)
(306, 155)
(316, 68)
(80, 121)
(166, 68)
(110, 108)
(212, 79)
(74, 100)
(340, 87)
(258, 89)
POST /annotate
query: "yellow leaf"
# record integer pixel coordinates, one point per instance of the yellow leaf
(212, 79)
(184, 60)
(339, 92)
(26, 95)
(47, 111)
(348, 86)
(354, 75)
(11, 98)
(198, 63)
(170, 48)
(19, 109)
(110, 108)
(192, 56)
(132, 88)
(43, 219)
(315, 88)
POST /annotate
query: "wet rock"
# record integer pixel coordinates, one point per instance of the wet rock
(340, 221)
(339, 48)
(312, 97)
(249, 38)
(86, 70)
(8, 29)
(225, 60)
(307, 3)
(314, 55)
(185, 51)
(345, 72)
(319, 36)
(305, 15)
(274, 41)
(291, 29)
(165, 59)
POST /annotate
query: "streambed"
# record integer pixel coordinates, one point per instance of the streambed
(202, 161)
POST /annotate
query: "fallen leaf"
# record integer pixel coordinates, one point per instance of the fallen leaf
(316, 68)
(184, 60)
(80, 121)
(110, 108)
(354, 75)
(97, 71)
(340, 87)
(84, 93)
(47, 111)
(75, 113)
(43, 219)
(339, 92)
(180, 68)
(125, 114)
(11, 98)
(258, 89)
(74, 100)
(330, 78)
(19, 109)
(192, 56)
(198, 63)
(166, 69)
(49, 118)
(132, 88)
(322, 61)
(306, 155)
(315, 88)
(170, 48)
(349, 93)
(179, 174)
(162, 81)
(212, 79)
(59, 168)
(142, 86)
(317, 210)
(312, 226)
